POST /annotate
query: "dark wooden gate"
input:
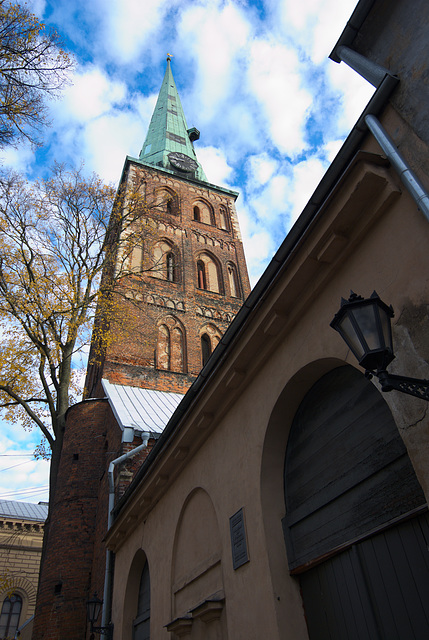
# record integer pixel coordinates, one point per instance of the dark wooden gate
(356, 526)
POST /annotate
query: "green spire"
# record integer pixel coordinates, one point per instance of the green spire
(168, 131)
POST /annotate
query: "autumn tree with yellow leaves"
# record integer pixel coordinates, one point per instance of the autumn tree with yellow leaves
(57, 239)
(33, 67)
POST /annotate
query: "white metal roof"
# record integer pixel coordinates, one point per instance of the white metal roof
(24, 510)
(143, 409)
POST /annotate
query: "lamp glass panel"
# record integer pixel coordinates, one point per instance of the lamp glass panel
(349, 334)
(94, 607)
(386, 328)
(365, 318)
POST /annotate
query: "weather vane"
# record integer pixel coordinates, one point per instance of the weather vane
(169, 56)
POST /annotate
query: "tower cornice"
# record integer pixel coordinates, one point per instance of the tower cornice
(199, 183)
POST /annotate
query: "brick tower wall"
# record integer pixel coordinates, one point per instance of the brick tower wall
(146, 301)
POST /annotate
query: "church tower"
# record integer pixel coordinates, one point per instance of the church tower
(178, 277)
(183, 258)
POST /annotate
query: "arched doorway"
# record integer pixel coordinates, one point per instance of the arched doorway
(356, 525)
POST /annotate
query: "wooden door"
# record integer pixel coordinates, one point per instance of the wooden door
(356, 528)
(376, 589)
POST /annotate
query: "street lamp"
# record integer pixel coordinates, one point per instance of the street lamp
(93, 608)
(364, 325)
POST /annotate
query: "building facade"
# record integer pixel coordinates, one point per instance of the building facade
(176, 277)
(287, 495)
(21, 538)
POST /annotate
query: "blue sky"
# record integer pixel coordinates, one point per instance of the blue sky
(253, 77)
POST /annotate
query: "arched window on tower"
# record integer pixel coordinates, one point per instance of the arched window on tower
(209, 336)
(163, 348)
(9, 616)
(202, 278)
(208, 273)
(141, 623)
(170, 266)
(223, 218)
(170, 347)
(203, 212)
(165, 262)
(234, 287)
(166, 201)
(206, 348)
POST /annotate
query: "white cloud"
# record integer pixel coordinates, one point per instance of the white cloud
(215, 37)
(107, 140)
(306, 176)
(20, 159)
(315, 25)
(274, 79)
(129, 24)
(261, 168)
(272, 200)
(91, 94)
(258, 245)
(21, 477)
(215, 165)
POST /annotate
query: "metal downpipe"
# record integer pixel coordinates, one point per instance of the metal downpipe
(106, 613)
(407, 176)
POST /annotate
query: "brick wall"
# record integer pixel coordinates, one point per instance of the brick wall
(91, 440)
(145, 300)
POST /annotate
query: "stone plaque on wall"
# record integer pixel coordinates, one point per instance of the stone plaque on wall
(238, 539)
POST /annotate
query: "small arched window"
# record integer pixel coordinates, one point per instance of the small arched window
(234, 287)
(141, 623)
(166, 201)
(170, 267)
(209, 276)
(202, 277)
(165, 262)
(203, 212)
(206, 348)
(9, 616)
(223, 218)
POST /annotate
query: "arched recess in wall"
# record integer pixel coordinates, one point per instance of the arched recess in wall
(165, 263)
(208, 273)
(202, 211)
(224, 218)
(233, 280)
(166, 201)
(355, 515)
(130, 251)
(210, 336)
(136, 602)
(170, 352)
(197, 562)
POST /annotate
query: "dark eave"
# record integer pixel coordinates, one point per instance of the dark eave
(353, 26)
